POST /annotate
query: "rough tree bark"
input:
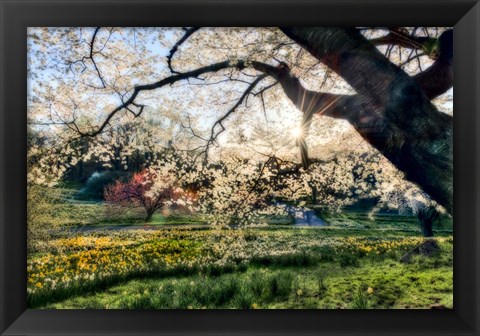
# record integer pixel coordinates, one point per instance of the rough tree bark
(391, 110)
(426, 218)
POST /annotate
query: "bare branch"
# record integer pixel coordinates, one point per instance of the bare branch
(401, 38)
(166, 81)
(214, 134)
(92, 42)
(188, 33)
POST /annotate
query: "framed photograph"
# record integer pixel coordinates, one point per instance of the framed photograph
(268, 167)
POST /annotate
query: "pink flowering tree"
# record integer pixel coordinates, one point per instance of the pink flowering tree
(149, 190)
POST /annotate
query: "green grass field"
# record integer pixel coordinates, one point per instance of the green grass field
(100, 260)
(318, 286)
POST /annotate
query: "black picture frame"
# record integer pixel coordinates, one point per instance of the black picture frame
(17, 15)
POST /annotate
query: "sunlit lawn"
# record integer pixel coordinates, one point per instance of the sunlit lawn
(322, 286)
(353, 263)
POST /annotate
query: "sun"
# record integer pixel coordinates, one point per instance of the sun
(296, 132)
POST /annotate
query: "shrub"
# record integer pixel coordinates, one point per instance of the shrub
(41, 208)
(348, 259)
(96, 183)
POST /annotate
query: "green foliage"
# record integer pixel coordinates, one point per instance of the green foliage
(244, 299)
(295, 259)
(322, 285)
(280, 285)
(361, 299)
(96, 183)
(392, 285)
(41, 208)
(347, 259)
(227, 288)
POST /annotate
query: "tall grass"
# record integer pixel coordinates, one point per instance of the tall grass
(226, 291)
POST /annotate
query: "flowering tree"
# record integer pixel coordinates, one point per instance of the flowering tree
(231, 98)
(147, 189)
(238, 193)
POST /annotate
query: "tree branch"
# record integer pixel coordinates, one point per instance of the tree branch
(166, 81)
(91, 56)
(214, 135)
(408, 130)
(438, 78)
(188, 33)
(402, 39)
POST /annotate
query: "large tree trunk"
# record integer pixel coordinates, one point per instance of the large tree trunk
(427, 228)
(391, 110)
(426, 218)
